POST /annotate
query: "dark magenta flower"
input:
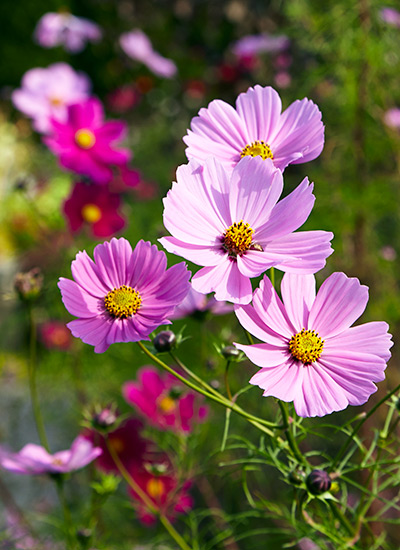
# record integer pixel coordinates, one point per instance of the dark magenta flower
(85, 143)
(55, 335)
(95, 207)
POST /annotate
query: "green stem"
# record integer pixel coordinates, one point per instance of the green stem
(226, 378)
(59, 481)
(32, 381)
(287, 426)
(342, 519)
(145, 499)
(272, 276)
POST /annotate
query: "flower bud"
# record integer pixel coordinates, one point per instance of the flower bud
(29, 284)
(164, 341)
(102, 419)
(318, 482)
(296, 476)
(230, 352)
(398, 404)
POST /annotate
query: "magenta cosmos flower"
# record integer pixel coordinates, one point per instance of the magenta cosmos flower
(234, 227)
(123, 295)
(65, 29)
(46, 94)
(390, 16)
(85, 143)
(257, 128)
(164, 401)
(137, 45)
(34, 459)
(311, 355)
(95, 207)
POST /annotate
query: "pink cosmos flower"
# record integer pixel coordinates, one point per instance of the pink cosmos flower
(34, 459)
(46, 94)
(257, 128)
(85, 143)
(260, 43)
(65, 29)
(166, 494)
(164, 401)
(96, 207)
(137, 45)
(232, 225)
(197, 304)
(55, 335)
(123, 295)
(311, 355)
(392, 117)
(390, 16)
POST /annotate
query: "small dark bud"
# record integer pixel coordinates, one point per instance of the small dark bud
(84, 535)
(318, 482)
(156, 468)
(175, 392)
(398, 404)
(296, 477)
(230, 352)
(105, 419)
(29, 284)
(164, 341)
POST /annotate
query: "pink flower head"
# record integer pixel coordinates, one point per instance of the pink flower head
(390, 16)
(260, 43)
(34, 459)
(197, 304)
(96, 207)
(55, 335)
(137, 45)
(392, 117)
(311, 355)
(85, 143)
(47, 93)
(231, 224)
(164, 401)
(65, 29)
(123, 295)
(167, 495)
(257, 128)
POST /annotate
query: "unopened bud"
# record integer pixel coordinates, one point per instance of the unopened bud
(230, 352)
(318, 482)
(296, 476)
(29, 284)
(164, 341)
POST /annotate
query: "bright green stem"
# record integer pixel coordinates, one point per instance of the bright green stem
(217, 397)
(145, 499)
(384, 433)
(342, 519)
(226, 378)
(32, 382)
(287, 426)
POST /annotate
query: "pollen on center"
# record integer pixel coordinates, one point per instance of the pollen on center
(155, 488)
(257, 149)
(306, 346)
(91, 213)
(122, 302)
(85, 138)
(237, 239)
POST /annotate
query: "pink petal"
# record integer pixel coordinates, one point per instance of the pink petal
(87, 275)
(298, 295)
(227, 282)
(92, 331)
(282, 381)
(249, 319)
(302, 252)
(78, 301)
(372, 338)
(265, 355)
(260, 109)
(113, 262)
(271, 311)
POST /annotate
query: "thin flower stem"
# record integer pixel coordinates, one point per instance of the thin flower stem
(289, 434)
(32, 381)
(199, 380)
(342, 519)
(347, 443)
(218, 398)
(59, 482)
(226, 378)
(272, 276)
(145, 499)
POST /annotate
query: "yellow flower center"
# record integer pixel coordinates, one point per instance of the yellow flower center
(85, 138)
(56, 101)
(122, 302)
(155, 487)
(257, 149)
(237, 239)
(57, 462)
(117, 444)
(91, 213)
(167, 404)
(306, 346)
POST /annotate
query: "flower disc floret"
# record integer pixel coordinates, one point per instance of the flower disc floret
(257, 148)
(122, 302)
(85, 138)
(237, 239)
(306, 346)
(91, 213)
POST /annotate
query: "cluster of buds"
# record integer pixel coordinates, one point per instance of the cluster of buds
(29, 284)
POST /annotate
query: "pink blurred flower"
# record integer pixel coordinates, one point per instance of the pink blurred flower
(164, 401)
(123, 98)
(311, 355)
(282, 79)
(65, 29)
(96, 207)
(260, 43)
(388, 253)
(47, 93)
(391, 16)
(167, 495)
(85, 143)
(392, 117)
(123, 295)
(136, 44)
(196, 303)
(55, 335)
(232, 224)
(34, 459)
(257, 128)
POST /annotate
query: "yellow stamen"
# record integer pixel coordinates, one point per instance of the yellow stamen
(257, 149)
(306, 346)
(85, 138)
(56, 101)
(155, 487)
(122, 302)
(237, 239)
(91, 213)
(117, 444)
(167, 404)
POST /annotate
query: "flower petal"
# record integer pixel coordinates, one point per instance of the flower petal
(260, 109)
(298, 295)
